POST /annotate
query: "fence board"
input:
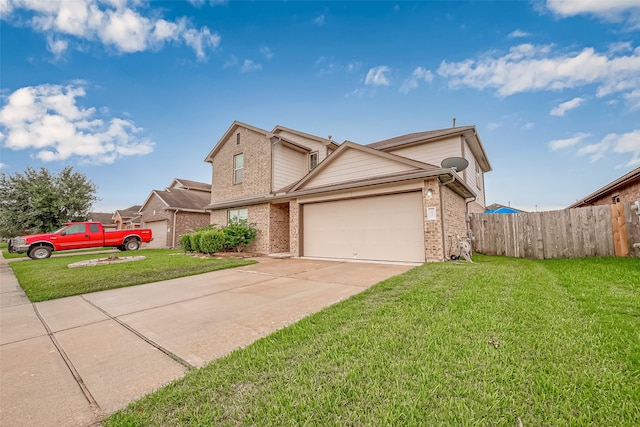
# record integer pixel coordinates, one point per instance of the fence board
(632, 222)
(569, 233)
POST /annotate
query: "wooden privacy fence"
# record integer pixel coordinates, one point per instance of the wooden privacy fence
(608, 230)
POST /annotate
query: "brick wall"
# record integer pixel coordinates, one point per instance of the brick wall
(257, 215)
(279, 228)
(628, 193)
(187, 222)
(256, 149)
(455, 224)
(432, 228)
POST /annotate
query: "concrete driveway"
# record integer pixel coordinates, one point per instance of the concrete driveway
(72, 361)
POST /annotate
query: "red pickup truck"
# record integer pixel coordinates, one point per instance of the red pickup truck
(78, 235)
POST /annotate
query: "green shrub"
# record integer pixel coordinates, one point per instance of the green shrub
(185, 242)
(195, 241)
(239, 234)
(212, 241)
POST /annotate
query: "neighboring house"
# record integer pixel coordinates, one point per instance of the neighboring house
(622, 190)
(106, 219)
(387, 201)
(174, 211)
(497, 208)
(126, 219)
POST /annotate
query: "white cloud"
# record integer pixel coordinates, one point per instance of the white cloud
(378, 76)
(266, 52)
(249, 65)
(558, 144)
(610, 10)
(117, 24)
(561, 109)
(326, 65)
(518, 34)
(418, 75)
(319, 20)
(605, 8)
(626, 143)
(47, 120)
(528, 68)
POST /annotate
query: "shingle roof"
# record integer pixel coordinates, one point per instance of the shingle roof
(101, 217)
(193, 185)
(184, 199)
(417, 136)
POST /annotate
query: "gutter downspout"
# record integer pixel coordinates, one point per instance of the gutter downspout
(173, 244)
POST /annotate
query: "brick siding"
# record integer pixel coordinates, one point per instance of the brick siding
(256, 149)
(628, 193)
(279, 228)
(432, 228)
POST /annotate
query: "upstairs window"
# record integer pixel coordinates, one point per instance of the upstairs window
(238, 168)
(313, 160)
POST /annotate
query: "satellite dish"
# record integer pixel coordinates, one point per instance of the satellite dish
(456, 163)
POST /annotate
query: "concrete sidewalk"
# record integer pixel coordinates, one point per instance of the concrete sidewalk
(73, 361)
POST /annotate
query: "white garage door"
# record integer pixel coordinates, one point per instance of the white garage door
(159, 229)
(381, 228)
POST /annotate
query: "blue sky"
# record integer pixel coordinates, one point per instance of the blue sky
(135, 93)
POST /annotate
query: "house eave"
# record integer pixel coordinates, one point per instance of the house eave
(612, 186)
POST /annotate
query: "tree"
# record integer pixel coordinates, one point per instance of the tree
(38, 201)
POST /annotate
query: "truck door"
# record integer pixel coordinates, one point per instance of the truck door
(73, 237)
(96, 236)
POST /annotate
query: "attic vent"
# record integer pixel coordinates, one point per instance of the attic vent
(238, 138)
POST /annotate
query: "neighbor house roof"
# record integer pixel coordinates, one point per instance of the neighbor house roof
(179, 199)
(130, 212)
(187, 184)
(614, 185)
(468, 132)
(105, 218)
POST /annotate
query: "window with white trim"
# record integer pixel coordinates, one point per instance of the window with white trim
(238, 168)
(238, 214)
(313, 160)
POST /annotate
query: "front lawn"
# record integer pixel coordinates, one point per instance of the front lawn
(499, 342)
(51, 278)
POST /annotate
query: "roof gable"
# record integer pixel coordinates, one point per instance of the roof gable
(235, 125)
(467, 132)
(354, 162)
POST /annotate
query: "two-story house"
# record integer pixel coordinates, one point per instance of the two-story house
(387, 201)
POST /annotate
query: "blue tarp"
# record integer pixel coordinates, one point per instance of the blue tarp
(502, 210)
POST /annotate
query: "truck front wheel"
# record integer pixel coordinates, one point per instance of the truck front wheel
(40, 252)
(132, 245)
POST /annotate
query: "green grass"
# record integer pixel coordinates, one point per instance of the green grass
(51, 278)
(7, 255)
(553, 343)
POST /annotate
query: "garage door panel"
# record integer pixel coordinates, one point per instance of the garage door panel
(384, 228)
(159, 230)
